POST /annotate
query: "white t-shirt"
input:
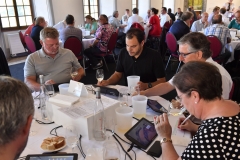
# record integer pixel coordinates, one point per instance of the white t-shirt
(226, 79)
(164, 18)
(134, 18)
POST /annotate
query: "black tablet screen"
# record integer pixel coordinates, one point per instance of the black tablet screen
(57, 157)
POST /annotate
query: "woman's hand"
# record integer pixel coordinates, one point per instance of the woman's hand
(188, 125)
(163, 126)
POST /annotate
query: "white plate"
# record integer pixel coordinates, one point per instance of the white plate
(49, 151)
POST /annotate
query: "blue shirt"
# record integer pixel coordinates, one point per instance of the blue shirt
(35, 34)
(234, 24)
(179, 29)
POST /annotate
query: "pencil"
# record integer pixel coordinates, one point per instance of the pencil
(186, 119)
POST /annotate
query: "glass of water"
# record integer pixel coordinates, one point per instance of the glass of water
(71, 137)
(123, 97)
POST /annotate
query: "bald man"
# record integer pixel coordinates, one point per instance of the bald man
(200, 24)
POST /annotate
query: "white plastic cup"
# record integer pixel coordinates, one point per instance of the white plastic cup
(63, 88)
(139, 103)
(124, 118)
(132, 81)
(87, 32)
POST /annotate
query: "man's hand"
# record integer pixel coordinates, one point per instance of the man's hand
(142, 86)
(103, 83)
(50, 81)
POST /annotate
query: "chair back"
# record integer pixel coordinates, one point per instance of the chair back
(112, 43)
(171, 43)
(137, 25)
(215, 46)
(167, 25)
(30, 44)
(75, 45)
(22, 38)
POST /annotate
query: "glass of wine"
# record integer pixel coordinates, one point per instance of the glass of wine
(176, 108)
(99, 74)
(71, 137)
(74, 72)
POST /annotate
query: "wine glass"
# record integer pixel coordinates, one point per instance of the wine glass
(74, 72)
(50, 89)
(123, 97)
(99, 74)
(109, 126)
(111, 150)
(176, 108)
(71, 137)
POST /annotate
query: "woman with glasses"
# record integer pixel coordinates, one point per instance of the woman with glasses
(198, 86)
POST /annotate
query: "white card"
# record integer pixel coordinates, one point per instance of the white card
(77, 88)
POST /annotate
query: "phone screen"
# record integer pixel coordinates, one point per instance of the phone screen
(154, 105)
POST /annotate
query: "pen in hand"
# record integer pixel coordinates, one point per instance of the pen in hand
(185, 119)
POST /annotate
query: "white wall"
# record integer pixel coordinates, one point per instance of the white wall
(212, 3)
(178, 4)
(107, 7)
(156, 4)
(143, 6)
(122, 5)
(169, 4)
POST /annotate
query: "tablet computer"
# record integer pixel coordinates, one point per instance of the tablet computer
(142, 133)
(155, 106)
(62, 156)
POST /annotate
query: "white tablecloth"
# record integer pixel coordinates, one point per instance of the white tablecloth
(43, 131)
(231, 46)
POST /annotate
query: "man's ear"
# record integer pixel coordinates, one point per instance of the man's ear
(41, 42)
(200, 54)
(142, 43)
(27, 126)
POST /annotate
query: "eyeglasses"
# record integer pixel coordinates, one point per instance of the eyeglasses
(184, 55)
(179, 98)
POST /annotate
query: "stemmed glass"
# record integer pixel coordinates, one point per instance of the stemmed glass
(176, 108)
(73, 72)
(71, 137)
(123, 97)
(99, 74)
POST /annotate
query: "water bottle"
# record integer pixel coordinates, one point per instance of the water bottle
(43, 97)
(98, 119)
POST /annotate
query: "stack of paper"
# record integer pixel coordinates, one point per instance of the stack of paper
(63, 99)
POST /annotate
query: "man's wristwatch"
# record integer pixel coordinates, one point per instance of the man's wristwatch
(149, 85)
(164, 140)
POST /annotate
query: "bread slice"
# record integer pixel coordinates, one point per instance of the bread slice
(53, 143)
(60, 144)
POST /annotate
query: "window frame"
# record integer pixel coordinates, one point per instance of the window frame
(136, 4)
(18, 27)
(89, 8)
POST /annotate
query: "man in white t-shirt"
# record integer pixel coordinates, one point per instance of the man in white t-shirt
(126, 16)
(164, 17)
(134, 18)
(193, 46)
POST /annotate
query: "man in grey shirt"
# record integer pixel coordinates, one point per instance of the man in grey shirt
(70, 30)
(200, 24)
(52, 62)
(115, 22)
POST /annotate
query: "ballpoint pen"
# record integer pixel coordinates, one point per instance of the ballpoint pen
(186, 119)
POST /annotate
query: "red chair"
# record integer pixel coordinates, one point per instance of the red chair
(216, 47)
(137, 25)
(22, 40)
(110, 49)
(75, 45)
(30, 44)
(167, 25)
(173, 48)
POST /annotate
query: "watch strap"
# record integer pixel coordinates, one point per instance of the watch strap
(164, 140)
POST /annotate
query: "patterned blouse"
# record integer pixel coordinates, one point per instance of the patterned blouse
(216, 138)
(103, 34)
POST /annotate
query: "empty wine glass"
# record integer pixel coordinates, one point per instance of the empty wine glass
(50, 89)
(123, 97)
(73, 72)
(111, 150)
(99, 74)
(71, 137)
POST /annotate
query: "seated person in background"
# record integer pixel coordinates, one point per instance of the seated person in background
(115, 22)
(225, 19)
(215, 12)
(91, 24)
(235, 23)
(200, 24)
(99, 45)
(178, 14)
(60, 25)
(193, 47)
(147, 18)
(172, 16)
(182, 26)
(35, 34)
(52, 61)
(134, 18)
(126, 16)
(198, 86)
(136, 59)
(164, 17)
(70, 30)
(223, 33)
(29, 29)
(194, 13)
(16, 114)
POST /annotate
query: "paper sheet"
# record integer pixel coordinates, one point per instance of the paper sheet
(74, 112)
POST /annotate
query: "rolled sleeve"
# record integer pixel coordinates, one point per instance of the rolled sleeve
(193, 28)
(29, 67)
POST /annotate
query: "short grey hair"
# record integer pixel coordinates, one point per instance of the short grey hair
(48, 32)
(16, 105)
(186, 15)
(114, 13)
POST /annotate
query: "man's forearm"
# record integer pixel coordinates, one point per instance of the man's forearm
(159, 89)
(33, 85)
(160, 80)
(114, 79)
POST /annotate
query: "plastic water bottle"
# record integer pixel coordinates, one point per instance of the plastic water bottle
(43, 97)
(98, 119)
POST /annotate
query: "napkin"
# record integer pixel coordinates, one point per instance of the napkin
(63, 99)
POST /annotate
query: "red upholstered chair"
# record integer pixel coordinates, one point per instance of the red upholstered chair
(173, 48)
(216, 47)
(110, 49)
(137, 25)
(30, 44)
(167, 25)
(75, 45)
(22, 40)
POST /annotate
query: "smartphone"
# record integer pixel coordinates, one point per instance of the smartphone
(155, 150)
(157, 107)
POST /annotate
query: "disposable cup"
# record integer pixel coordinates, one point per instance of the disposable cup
(124, 118)
(132, 81)
(139, 103)
(63, 88)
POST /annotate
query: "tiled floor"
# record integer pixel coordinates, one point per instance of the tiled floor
(17, 60)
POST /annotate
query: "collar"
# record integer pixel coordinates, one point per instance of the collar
(43, 54)
(209, 59)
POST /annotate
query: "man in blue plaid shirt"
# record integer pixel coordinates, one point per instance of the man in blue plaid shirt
(222, 32)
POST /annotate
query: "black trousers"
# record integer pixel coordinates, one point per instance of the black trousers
(90, 54)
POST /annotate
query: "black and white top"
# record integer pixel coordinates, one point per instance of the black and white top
(216, 138)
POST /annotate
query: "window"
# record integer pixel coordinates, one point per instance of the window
(15, 14)
(134, 3)
(90, 7)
